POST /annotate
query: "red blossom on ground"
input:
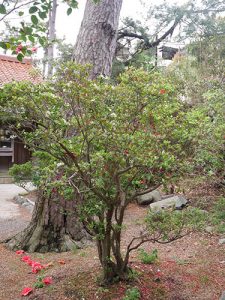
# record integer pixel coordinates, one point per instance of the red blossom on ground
(29, 262)
(19, 252)
(126, 152)
(47, 280)
(26, 258)
(26, 291)
(36, 267)
(162, 91)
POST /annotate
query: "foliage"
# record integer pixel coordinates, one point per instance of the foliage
(102, 145)
(148, 258)
(201, 84)
(166, 225)
(132, 294)
(21, 173)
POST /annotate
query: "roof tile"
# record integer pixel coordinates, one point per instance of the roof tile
(13, 70)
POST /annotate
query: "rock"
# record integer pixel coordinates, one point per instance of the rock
(148, 198)
(221, 241)
(178, 202)
(209, 229)
(222, 296)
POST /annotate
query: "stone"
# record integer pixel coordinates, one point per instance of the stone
(221, 241)
(178, 202)
(148, 198)
(209, 229)
(222, 296)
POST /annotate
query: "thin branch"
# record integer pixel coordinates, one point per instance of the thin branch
(15, 8)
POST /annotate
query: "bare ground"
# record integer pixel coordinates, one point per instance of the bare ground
(192, 268)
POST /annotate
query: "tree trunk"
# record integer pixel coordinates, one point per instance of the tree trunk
(51, 36)
(96, 41)
(54, 227)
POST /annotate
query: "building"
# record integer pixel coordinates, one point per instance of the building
(12, 150)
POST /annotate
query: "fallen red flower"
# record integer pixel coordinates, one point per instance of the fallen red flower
(19, 252)
(36, 267)
(25, 258)
(29, 262)
(47, 280)
(26, 291)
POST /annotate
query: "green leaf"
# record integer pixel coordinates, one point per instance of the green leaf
(21, 13)
(33, 9)
(69, 11)
(42, 15)
(2, 9)
(3, 45)
(23, 37)
(20, 57)
(31, 38)
(34, 19)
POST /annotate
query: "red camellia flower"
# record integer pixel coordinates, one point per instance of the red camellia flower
(19, 252)
(162, 91)
(26, 291)
(47, 280)
(25, 258)
(19, 48)
(29, 262)
(36, 267)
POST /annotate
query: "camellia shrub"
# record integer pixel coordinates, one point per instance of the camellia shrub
(103, 145)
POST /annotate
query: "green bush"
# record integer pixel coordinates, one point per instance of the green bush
(148, 258)
(132, 294)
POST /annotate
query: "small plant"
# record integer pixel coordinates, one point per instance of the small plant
(132, 294)
(148, 258)
(133, 275)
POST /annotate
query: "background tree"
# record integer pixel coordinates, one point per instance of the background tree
(184, 22)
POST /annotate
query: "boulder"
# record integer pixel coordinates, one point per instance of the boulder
(148, 198)
(178, 202)
(221, 241)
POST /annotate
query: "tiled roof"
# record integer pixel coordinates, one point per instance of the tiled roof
(13, 70)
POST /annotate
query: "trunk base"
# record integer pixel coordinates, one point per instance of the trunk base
(55, 227)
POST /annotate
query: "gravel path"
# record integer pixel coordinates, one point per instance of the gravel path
(13, 218)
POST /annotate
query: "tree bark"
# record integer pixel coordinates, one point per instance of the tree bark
(96, 41)
(54, 227)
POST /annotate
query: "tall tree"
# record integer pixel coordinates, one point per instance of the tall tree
(96, 41)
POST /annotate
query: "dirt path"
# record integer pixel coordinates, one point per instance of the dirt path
(13, 217)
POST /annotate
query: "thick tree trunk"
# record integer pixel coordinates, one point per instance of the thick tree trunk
(96, 41)
(54, 227)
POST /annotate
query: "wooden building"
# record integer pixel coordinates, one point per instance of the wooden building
(12, 150)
